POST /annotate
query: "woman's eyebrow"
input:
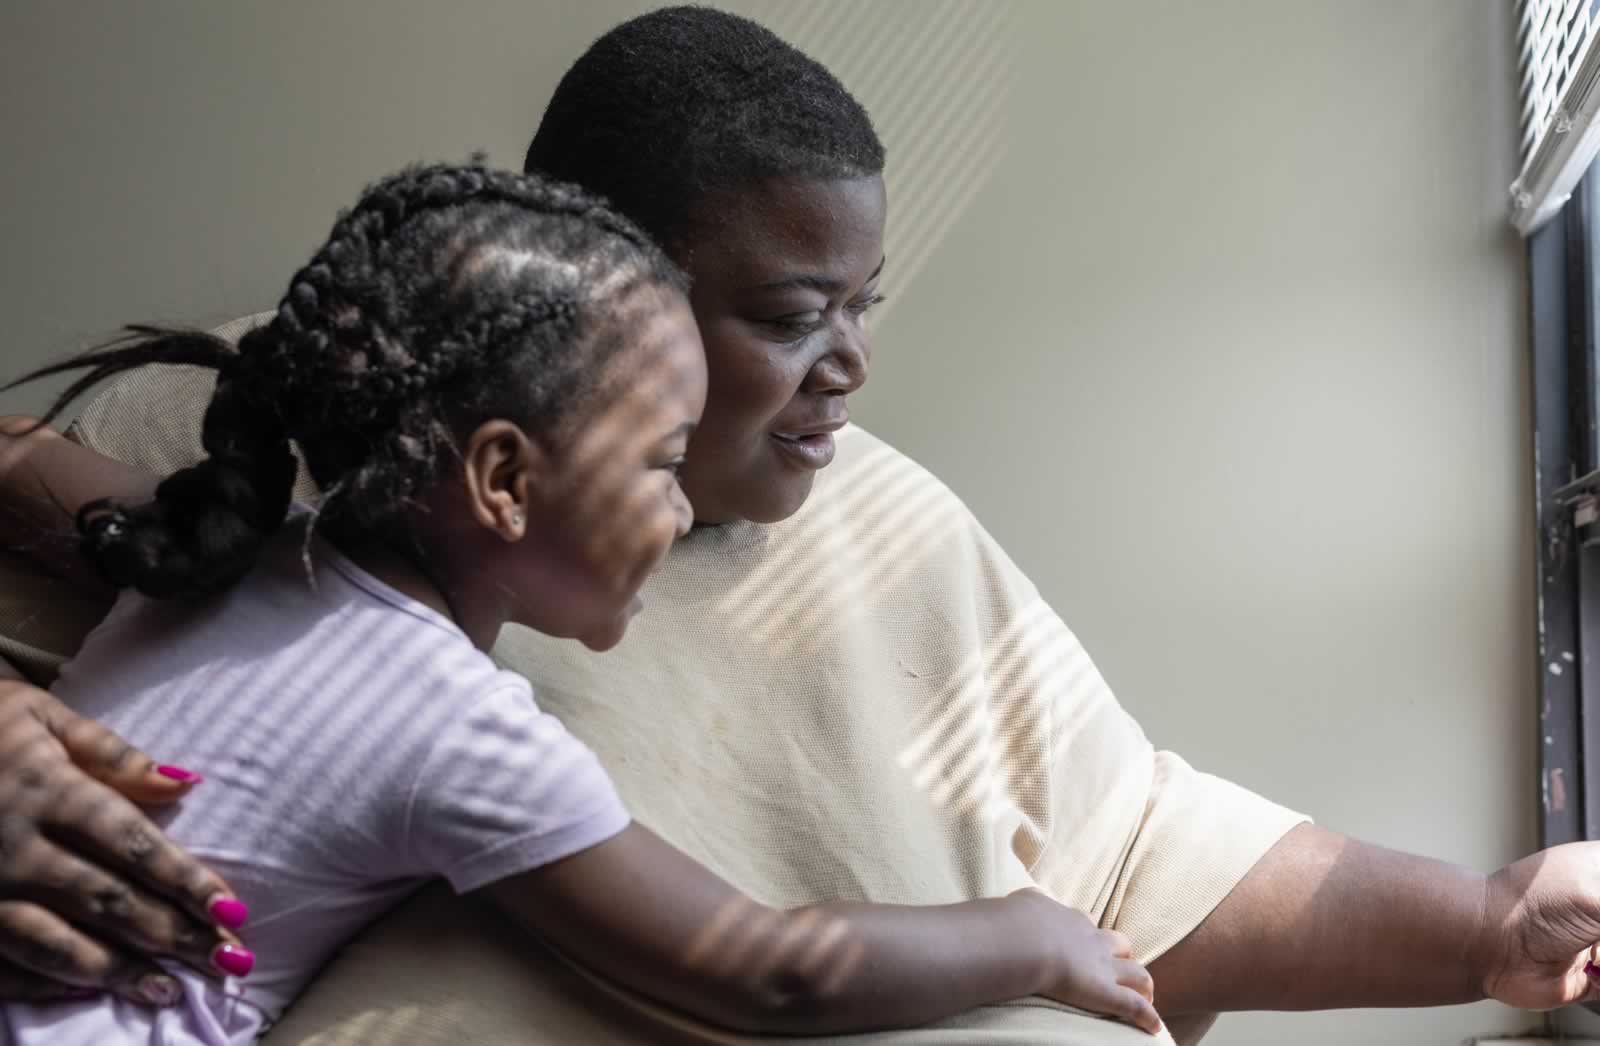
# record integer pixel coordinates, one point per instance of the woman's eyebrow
(812, 281)
(808, 281)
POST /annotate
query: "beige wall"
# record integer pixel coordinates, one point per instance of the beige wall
(1225, 343)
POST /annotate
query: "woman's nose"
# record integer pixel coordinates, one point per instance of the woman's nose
(843, 368)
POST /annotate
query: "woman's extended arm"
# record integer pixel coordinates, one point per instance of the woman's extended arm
(44, 479)
(641, 912)
(1324, 922)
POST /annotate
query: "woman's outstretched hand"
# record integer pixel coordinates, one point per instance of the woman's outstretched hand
(90, 889)
(1540, 929)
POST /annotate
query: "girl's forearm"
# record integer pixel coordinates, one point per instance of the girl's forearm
(641, 912)
(841, 966)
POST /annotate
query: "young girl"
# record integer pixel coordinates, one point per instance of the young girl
(492, 379)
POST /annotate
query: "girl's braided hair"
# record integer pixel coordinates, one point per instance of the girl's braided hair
(447, 296)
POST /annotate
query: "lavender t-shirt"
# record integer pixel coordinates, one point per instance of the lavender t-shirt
(354, 744)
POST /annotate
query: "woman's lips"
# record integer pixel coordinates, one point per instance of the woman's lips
(813, 451)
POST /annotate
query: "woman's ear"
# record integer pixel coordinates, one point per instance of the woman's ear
(501, 467)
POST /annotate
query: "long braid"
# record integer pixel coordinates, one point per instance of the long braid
(205, 526)
(404, 324)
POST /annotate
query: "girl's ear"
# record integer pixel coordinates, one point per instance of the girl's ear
(502, 467)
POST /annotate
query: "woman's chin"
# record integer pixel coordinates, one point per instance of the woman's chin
(769, 491)
(782, 499)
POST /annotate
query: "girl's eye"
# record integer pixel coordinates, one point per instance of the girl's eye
(674, 465)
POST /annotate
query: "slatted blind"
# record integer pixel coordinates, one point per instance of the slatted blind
(1551, 37)
(1560, 92)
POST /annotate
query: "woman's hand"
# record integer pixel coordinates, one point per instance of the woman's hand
(89, 888)
(1540, 928)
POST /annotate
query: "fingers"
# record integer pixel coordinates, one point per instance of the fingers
(1134, 976)
(1121, 946)
(19, 985)
(104, 827)
(93, 898)
(70, 841)
(1584, 986)
(1133, 1000)
(107, 758)
(1130, 1006)
(38, 948)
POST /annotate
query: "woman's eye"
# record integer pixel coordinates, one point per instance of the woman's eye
(860, 307)
(674, 465)
(796, 325)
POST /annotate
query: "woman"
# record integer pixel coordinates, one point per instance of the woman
(854, 692)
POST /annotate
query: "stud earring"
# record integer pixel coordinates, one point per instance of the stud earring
(516, 519)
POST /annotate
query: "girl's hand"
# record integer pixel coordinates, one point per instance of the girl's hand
(1095, 967)
(89, 888)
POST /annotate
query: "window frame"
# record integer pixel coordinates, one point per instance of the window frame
(1564, 303)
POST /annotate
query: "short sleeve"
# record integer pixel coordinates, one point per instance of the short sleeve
(504, 789)
(1094, 814)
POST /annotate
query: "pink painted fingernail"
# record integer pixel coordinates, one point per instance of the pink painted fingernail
(233, 960)
(179, 774)
(228, 911)
(159, 990)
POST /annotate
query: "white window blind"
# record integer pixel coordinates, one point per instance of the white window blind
(1551, 34)
(1560, 74)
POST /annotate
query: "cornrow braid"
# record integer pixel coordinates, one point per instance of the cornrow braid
(362, 232)
(447, 295)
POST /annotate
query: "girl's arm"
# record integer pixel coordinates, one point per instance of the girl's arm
(644, 914)
(44, 479)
